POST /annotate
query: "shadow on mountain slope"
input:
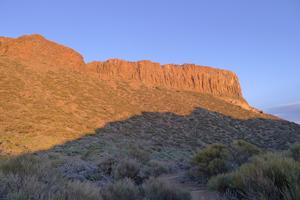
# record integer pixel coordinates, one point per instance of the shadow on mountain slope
(168, 138)
(59, 106)
(153, 144)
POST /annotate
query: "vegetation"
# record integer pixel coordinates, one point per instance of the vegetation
(217, 158)
(155, 189)
(127, 168)
(270, 176)
(294, 152)
(121, 190)
(137, 139)
(243, 171)
(241, 151)
(29, 177)
(212, 160)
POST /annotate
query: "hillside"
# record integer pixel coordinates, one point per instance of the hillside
(48, 94)
(77, 128)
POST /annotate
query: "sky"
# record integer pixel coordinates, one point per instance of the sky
(257, 39)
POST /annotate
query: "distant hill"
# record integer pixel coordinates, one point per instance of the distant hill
(289, 112)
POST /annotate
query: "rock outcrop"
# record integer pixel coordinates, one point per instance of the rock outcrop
(36, 51)
(186, 77)
(40, 53)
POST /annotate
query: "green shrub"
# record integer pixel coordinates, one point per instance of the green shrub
(294, 152)
(269, 176)
(121, 190)
(155, 189)
(212, 160)
(242, 151)
(127, 168)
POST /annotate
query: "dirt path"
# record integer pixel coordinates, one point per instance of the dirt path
(197, 192)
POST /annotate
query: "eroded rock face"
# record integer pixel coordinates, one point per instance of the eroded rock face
(187, 77)
(37, 52)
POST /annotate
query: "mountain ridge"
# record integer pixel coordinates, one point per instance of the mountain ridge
(47, 100)
(35, 50)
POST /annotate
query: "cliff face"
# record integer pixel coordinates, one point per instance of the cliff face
(186, 77)
(37, 52)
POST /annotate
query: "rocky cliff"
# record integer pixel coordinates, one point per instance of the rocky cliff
(186, 77)
(40, 53)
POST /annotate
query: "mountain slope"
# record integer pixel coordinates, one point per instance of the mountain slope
(48, 95)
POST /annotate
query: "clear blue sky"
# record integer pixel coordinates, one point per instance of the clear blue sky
(257, 39)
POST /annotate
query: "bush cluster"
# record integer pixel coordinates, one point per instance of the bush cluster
(270, 176)
(152, 189)
(218, 158)
(29, 177)
(243, 171)
(212, 160)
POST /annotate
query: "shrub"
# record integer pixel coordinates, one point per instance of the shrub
(106, 165)
(127, 168)
(29, 177)
(155, 189)
(24, 165)
(269, 176)
(153, 168)
(294, 152)
(212, 160)
(242, 151)
(81, 190)
(121, 190)
(138, 153)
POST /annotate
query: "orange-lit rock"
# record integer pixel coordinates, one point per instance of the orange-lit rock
(39, 53)
(36, 51)
(187, 77)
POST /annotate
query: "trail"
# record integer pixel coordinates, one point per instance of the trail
(197, 192)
